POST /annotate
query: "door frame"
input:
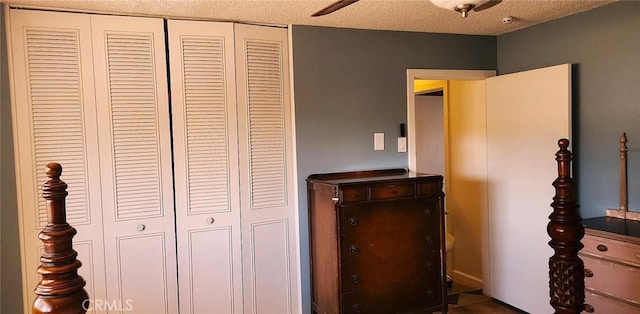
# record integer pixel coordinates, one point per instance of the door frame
(443, 76)
(434, 74)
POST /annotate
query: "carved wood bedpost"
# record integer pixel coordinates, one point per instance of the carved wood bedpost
(61, 290)
(566, 269)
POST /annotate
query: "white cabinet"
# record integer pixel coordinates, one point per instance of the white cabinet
(233, 168)
(91, 92)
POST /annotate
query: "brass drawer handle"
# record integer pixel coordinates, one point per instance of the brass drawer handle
(588, 308)
(354, 249)
(602, 248)
(588, 273)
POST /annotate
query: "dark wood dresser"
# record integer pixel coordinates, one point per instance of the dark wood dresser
(377, 242)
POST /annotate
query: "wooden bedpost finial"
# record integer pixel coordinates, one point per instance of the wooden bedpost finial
(566, 269)
(61, 290)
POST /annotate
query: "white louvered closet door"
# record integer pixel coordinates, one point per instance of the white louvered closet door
(135, 157)
(54, 120)
(206, 166)
(267, 178)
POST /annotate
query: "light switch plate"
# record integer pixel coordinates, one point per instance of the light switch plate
(402, 144)
(378, 141)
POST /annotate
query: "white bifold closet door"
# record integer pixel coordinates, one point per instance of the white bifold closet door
(206, 166)
(90, 92)
(135, 158)
(234, 171)
(54, 120)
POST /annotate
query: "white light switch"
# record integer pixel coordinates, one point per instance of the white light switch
(402, 144)
(378, 141)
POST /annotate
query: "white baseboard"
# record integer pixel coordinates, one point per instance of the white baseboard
(466, 279)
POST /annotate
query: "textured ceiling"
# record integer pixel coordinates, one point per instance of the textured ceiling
(402, 15)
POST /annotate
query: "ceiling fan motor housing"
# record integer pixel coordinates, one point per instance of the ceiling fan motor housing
(462, 6)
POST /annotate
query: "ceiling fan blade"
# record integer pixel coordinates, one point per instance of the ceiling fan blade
(334, 7)
(486, 5)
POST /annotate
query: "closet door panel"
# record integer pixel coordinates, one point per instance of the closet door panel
(135, 147)
(54, 120)
(267, 177)
(206, 166)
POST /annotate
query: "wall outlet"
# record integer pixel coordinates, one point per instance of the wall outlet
(402, 144)
(378, 141)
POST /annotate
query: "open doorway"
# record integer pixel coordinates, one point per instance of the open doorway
(498, 135)
(430, 148)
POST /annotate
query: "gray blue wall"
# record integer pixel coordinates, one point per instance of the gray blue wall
(351, 83)
(604, 47)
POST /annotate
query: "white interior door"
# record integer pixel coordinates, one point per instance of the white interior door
(206, 166)
(527, 113)
(54, 119)
(267, 173)
(135, 156)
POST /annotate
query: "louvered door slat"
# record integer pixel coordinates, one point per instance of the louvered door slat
(135, 143)
(206, 118)
(57, 115)
(266, 123)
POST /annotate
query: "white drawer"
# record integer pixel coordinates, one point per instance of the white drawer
(614, 249)
(605, 305)
(620, 280)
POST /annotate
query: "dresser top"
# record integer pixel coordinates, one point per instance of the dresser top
(612, 227)
(368, 176)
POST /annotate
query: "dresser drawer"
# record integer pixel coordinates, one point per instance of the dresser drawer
(390, 191)
(607, 248)
(429, 188)
(606, 305)
(354, 194)
(620, 280)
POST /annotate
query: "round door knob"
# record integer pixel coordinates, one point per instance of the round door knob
(210, 220)
(141, 227)
(353, 221)
(354, 249)
(355, 278)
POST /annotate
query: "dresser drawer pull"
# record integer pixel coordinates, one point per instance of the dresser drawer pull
(430, 266)
(429, 240)
(588, 273)
(431, 294)
(355, 308)
(589, 308)
(427, 212)
(355, 278)
(353, 221)
(602, 248)
(354, 249)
